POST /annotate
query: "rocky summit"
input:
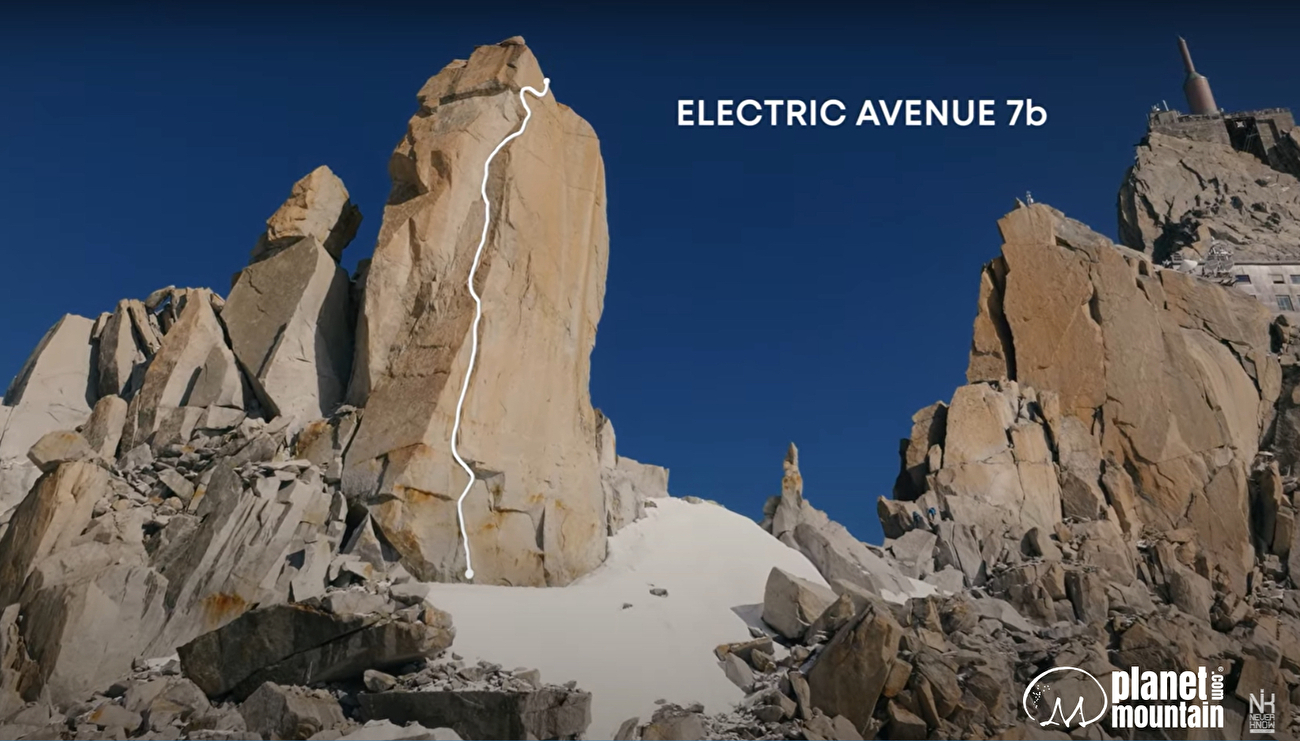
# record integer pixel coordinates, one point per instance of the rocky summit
(235, 516)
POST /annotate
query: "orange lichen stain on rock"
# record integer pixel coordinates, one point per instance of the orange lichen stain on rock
(412, 495)
(221, 608)
(388, 519)
(311, 434)
(493, 523)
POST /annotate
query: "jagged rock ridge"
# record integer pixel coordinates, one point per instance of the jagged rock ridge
(187, 463)
(1104, 493)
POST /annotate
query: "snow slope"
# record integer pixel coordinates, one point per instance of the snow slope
(714, 564)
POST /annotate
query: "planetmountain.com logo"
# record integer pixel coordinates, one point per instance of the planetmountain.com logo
(1069, 697)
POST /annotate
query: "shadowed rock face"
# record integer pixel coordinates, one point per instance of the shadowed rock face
(291, 644)
(537, 514)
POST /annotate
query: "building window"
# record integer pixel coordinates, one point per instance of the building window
(1278, 278)
(1295, 278)
(1245, 278)
(1284, 303)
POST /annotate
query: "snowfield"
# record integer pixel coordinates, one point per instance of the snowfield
(714, 564)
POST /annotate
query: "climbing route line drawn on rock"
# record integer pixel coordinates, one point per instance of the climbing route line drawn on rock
(478, 314)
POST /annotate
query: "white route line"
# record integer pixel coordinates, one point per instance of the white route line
(478, 314)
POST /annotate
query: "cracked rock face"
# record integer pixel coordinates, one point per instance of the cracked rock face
(537, 514)
(1099, 380)
(1183, 194)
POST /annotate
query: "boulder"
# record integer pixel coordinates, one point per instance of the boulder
(103, 430)
(59, 447)
(296, 644)
(277, 712)
(746, 649)
(536, 513)
(383, 730)
(1087, 593)
(1037, 544)
(54, 390)
(845, 607)
(167, 704)
(947, 580)
(1191, 592)
(849, 674)
(914, 552)
(290, 322)
(791, 604)
(738, 672)
(318, 207)
(547, 713)
(221, 419)
(904, 725)
(323, 441)
(86, 632)
(671, 723)
(377, 681)
(50, 519)
(896, 516)
(112, 715)
(958, 546)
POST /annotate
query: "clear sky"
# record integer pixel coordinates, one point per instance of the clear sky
(765, 285)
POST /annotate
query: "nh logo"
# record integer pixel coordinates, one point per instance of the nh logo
(1257, 705)
(1259, 720)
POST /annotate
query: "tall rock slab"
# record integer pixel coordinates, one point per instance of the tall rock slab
(289, 315)
(536, 514)
(54, 391)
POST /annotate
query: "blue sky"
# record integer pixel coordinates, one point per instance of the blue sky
(765, 285)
